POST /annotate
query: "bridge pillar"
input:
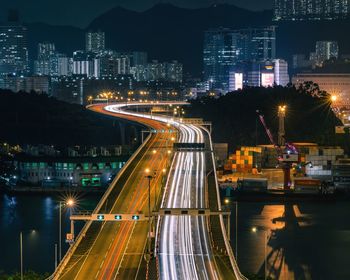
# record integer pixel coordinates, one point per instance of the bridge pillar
(228, 227)
(122, 132)
(72, 228)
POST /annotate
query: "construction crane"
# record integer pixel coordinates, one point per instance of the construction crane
(287, 155)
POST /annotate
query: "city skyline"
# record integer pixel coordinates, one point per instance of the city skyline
(92, 9)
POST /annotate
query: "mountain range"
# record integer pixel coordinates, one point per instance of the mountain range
(168, 32)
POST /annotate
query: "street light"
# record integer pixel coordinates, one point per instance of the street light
(255, 230)
(69, 203)
(21, 248)
(149, 177)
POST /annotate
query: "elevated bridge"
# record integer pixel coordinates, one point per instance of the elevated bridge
(156, 182)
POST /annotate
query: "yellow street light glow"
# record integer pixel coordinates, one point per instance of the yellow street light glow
(282, 108)
(70, 202)
(172, 138)
(254, 229)
(226, 200)
(334, 98)
(147, 170)
(164, 170)
(169, 152)
(154, 151)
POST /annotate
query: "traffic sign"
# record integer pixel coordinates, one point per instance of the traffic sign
(100, 217)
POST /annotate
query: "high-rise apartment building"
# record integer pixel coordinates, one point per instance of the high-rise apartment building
(95, 41)
(61, 65)
(85, 64)
(158, 71)
(112, 64)
(310, 9)
(42, 66)
(13, 46)
(326, 50)
(226, 48)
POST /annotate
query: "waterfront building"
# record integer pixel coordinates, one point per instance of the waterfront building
(55, 172)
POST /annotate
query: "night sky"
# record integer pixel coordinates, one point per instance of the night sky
(81, 12)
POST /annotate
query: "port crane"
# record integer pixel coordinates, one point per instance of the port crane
(287, 154)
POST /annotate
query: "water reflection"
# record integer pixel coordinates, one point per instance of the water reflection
(304, 240)
(39, 212)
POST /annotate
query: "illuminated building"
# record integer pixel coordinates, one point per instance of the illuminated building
(42, 66)
(93, 168)
(335, 84)
(13, 46)
(85, 64)
(158, 71)
(310, 9)
(256, 74)
(111, 64)
(281, 72)
(226, 48)
(326, 50)
(39, 84)
(95, 42)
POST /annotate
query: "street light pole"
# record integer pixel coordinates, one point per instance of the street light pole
(55, 256)
(149, 213)
(60, 232)
(255, 229)
(236, 239)
(21, 252)
(69, 203)
(265, 253)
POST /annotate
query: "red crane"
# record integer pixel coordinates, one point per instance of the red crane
(285, 158)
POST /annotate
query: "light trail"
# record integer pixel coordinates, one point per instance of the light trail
(184, 248)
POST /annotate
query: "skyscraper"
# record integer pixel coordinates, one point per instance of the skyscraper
(95, 41)
(310, 9)
(13, 46)
(225, 48)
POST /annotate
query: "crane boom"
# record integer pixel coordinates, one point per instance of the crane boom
(268, 132)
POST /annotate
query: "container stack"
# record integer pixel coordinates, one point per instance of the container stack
(322, 159)
(244, 160)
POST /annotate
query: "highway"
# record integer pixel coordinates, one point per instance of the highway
(183, 243)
